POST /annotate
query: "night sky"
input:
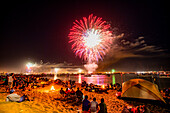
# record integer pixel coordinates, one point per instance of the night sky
(38, 30)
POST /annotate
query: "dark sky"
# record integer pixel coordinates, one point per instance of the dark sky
(38, 30)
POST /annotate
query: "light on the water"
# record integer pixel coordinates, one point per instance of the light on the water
(113, 79)
(56, 70)
(79, 78)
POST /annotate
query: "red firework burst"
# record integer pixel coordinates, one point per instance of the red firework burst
(91, 38)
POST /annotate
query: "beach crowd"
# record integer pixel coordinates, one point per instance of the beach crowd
(69, 93)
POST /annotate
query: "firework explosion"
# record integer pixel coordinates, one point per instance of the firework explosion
(91, 38)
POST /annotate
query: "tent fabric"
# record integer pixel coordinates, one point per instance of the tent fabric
(142, 89)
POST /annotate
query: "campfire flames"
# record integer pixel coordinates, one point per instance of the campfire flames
(103, 86)
(52, 88)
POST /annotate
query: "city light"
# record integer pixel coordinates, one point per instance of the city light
(80, 70)
(56, 70)
(113, 70)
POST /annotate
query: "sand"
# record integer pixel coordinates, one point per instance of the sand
(44, 102)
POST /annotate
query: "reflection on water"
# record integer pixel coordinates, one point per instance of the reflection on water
(95, 79)
(55, 76)
(98, 79)
(80, 79)
(114, 78)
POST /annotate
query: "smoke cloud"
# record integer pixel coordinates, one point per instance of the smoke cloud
(123, 48)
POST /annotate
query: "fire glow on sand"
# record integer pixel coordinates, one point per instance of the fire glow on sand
(52, 88)
(49, 89)
(103, 86)
(92, 39)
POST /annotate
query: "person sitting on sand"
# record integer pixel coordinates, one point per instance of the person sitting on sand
(86, 105)
(83, 83)
(73, 95)
(13, 97)
(5, 81)
(72, 92)
(66, 85)
(103, 107)
(67, 93)
(87, 87)
(146, 109)
(125, 110)
(79, 95)
(62, 91)
(93, 106)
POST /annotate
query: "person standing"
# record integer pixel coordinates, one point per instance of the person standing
(10, 80)
(14, 81)
(103, 108)
(86, 105)
(93, 106)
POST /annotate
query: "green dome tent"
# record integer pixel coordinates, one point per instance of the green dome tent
(142, 89)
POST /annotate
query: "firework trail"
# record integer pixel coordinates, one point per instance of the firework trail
(91, 38)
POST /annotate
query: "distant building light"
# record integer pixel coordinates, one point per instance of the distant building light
(113, 70)
(56, 70)
(80, 70)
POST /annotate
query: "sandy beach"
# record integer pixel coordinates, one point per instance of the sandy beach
(44, 101)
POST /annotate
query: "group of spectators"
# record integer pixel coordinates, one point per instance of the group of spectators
(13, 82)
(100, 89)
(137, 109)
(77, 96)
(71, 95)
(93, 106)
(19, 82)
(166, 94)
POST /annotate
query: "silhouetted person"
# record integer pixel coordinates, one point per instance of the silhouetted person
(10, 80)
(79, 95)
(86, 104)
(103, 107)
(93, 106)
(62, 91)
